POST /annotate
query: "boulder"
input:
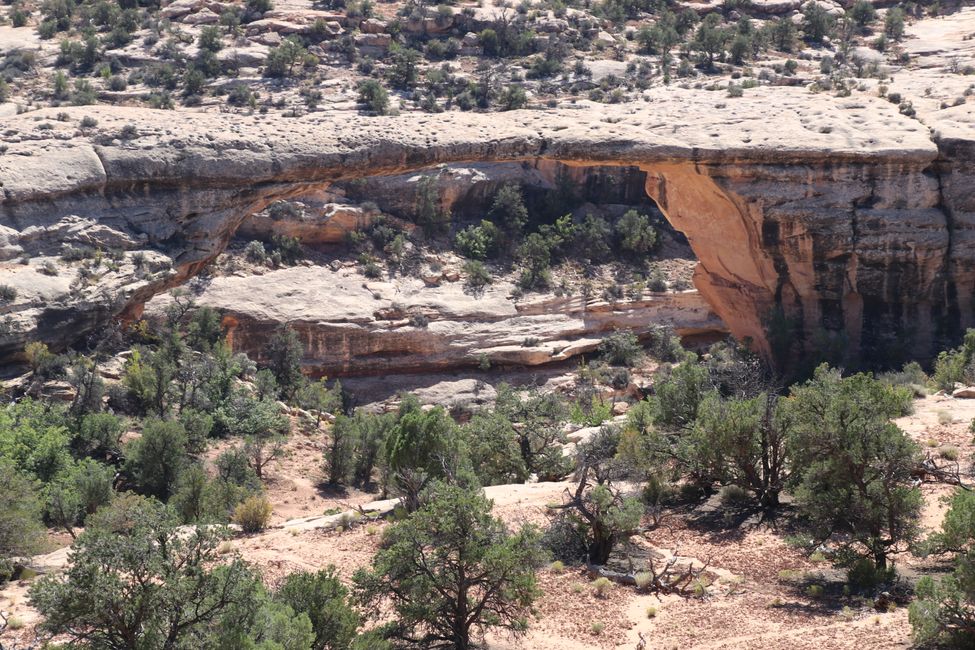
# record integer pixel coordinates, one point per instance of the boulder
(180, 8)
(965, 392)
(202, 17)
(372, 26)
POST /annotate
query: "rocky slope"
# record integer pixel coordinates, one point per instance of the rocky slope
(842, 211)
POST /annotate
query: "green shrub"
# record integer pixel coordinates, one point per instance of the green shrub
(287, 59)
(635, 233)
(259, 6)
(621, 349)
(512, 98)
(590, 413)
(479, 242)
(490, 43)
(288, 249)
(862, 13)
(507, 209)
(155, 460)
(373, 96)
(864, 576)
(255, 252)
(817, 23)
(403, 72)
(240, 95)
(894, 23)
(324, 599)
(21, 531)
(477, 276)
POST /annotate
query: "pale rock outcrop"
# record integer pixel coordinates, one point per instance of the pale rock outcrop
(324, 218)
(372, 26)
(350, 325)
(202, 17)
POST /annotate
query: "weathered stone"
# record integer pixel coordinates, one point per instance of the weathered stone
(202, 17)
(180, 8)
(380, 41)
(372, 26)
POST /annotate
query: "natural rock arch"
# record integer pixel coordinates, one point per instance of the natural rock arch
(844, 227)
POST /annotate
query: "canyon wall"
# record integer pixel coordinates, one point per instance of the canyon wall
(838, 219)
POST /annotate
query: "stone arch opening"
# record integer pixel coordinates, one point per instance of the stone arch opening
(360, 326)
(861, 253)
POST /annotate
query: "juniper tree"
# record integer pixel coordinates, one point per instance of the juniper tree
(450, 572)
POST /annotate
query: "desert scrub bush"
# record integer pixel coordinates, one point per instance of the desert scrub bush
(598, 628)
(621, 349)
(255, 252)
(240, 95)
(949, 453)
(590, 413)
(789, 575)
(253, 513)
(452, 545)
(48, 268)
(373, 96)
(601, 587)
(651, 612)
(371, 269)
(734, 496)
(7, 293)
(512, 98)
(643, 579)
(287, 249)
(288, 59)
(864, 576)
(815, 591)
(657, 283)
(477, 275)
(945, 418)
